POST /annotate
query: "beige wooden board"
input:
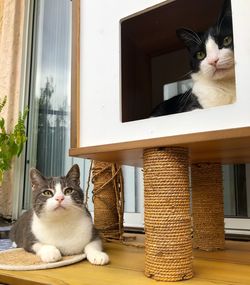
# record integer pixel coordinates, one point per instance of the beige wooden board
(231, 266)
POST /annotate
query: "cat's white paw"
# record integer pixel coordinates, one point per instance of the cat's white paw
(49, 253)
(98, 257)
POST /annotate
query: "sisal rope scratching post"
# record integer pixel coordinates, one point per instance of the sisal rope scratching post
(168, 246)
(207, 206)
(108, 199)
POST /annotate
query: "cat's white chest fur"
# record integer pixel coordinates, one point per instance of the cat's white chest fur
(69, 233)
(214, 93)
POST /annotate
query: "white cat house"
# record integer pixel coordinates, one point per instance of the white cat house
(124, 52)
(109, 115)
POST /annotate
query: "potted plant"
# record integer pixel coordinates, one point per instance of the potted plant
(11, 143)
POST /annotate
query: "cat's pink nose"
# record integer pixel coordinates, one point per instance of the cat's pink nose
(59, 198)
(213, 61)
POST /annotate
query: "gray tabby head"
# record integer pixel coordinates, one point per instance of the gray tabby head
(56, 195)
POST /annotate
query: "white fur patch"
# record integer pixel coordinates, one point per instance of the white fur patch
(214, 93)
(70, 233)
(94, 253)
(47, 253)
(58, 188)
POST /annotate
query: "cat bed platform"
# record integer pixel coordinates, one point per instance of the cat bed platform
(18, 259)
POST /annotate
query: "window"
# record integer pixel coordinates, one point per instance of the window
(49, 94)
(237, 199)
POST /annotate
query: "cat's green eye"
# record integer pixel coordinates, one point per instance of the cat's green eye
(200, 55)
(68, 191)
(227, 41)
(48, 193)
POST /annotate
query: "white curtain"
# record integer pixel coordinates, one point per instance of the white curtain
(11, 32)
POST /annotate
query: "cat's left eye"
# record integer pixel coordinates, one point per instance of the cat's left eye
(227, 41)
(68, 191)
(200, 55)
(47, 193)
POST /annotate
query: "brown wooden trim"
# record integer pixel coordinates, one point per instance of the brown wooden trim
(226, 146)
(75, 76)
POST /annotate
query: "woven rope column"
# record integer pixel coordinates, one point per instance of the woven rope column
(168, 246)
(108, 199)
(207, 206)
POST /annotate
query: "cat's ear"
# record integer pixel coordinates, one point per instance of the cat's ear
(74, 174)
(36, 177)
(225, 15)
(189, 37)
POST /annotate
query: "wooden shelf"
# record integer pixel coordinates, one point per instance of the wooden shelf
(228, 146)
(230, 266)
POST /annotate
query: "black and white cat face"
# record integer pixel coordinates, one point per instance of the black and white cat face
(56, 195)
(212, 52)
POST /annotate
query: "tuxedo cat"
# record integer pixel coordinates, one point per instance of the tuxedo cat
(59, 223)
(212, 65)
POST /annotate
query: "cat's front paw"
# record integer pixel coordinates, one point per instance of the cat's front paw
(98, 257)
(49, 253)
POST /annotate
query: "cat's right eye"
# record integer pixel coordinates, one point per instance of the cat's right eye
(68, 191)
(47, 193)
(200, 55)
(227, 41)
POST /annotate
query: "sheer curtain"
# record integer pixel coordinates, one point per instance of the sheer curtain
(52, 84)
(49, 120)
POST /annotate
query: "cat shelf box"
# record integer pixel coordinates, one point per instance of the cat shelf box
(124, 54)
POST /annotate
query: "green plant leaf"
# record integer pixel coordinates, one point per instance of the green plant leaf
(11, 144)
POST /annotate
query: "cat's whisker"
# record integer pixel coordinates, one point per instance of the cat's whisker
(185, 97)
(198, 38)
(186, 74)
(226, 61)
(192, 38)
(76, 207)
(188, 94)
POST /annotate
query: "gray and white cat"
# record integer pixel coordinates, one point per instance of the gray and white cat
(211, 55)
(58, 224)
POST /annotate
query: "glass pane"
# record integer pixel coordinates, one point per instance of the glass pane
(236, 190)
(52, 87)
(248, 188)
(229, 190)
(49, 116)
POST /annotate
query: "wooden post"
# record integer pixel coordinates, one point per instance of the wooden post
(108, 199)
(168, 245)
(207, 206)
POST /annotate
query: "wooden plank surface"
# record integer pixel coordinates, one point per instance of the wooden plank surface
(231, 266)
(226, 146)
